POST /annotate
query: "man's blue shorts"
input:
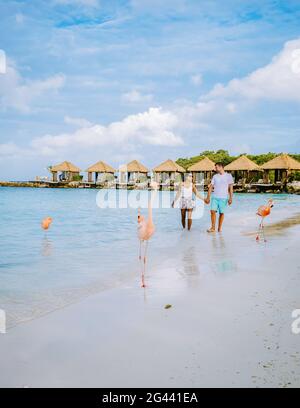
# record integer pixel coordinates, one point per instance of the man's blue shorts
(219, 204)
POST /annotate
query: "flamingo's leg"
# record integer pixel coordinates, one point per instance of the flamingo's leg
(258, 232)
(140, 260)
(263, 230)
(140, 251)
(144, 268)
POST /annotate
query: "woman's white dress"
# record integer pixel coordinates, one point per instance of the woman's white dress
(186, 201)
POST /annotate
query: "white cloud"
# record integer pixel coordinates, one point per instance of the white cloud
(212, 114)
(7, 149)
(215, 120)
(2, 62)
(296, 61)
(11, 150)
(135, 96)
(279, 80)
(19, 94)
(193, 115)
(153, 127)
(231, 107)
(196, 79)
(78, 122)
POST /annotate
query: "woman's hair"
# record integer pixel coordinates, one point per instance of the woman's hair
(220, 164)
(188, 175)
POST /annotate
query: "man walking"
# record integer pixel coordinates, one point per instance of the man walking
(222, 187)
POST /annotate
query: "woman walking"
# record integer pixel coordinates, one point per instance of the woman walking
(187, 191)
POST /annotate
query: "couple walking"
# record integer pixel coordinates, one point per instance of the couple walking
(220, 194)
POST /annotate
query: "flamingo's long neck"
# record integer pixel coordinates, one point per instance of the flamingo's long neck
(150, 204)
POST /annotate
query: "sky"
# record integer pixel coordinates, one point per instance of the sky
(117, 80)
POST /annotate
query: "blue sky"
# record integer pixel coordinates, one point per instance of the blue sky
(90, 80)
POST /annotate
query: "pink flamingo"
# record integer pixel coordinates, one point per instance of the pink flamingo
(263, 211)
(46, 222)
(146, 229)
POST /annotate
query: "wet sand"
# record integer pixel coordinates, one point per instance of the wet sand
(280, 226)
(229, 324)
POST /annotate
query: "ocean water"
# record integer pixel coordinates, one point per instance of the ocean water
(89, 249)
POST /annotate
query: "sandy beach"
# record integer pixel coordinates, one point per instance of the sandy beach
(229, 324)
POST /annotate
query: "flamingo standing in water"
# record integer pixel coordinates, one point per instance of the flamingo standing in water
(46, 223)
(146, 229)
(263, 211)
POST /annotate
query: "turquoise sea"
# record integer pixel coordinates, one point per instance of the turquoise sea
(90, 249)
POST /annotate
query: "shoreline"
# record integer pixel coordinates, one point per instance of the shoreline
(291, 188)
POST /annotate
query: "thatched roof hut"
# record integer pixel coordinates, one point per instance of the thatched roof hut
(169, 166)
(65, 166)
(242, 163)
(282, 162)
(131, 172)
(202, 171)
(243, 167)
(68, 170)
(203, 165)
(134, 167)
(281, 166)
(166, 172)
(99, 168)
